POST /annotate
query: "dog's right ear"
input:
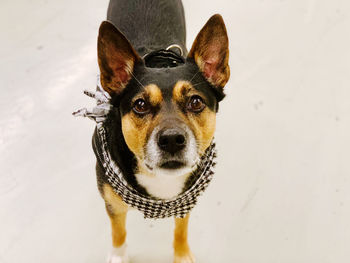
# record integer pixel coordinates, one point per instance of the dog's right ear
(116, 58)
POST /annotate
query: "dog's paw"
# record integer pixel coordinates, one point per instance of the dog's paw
(118, 255)
(188, 258)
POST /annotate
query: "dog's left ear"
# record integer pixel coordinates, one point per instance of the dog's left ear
(210, 52)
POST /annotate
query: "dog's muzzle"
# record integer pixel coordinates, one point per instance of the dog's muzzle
(171, 147)
(171, 140)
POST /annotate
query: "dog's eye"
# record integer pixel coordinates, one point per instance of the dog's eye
(141, 107)
(196, 104)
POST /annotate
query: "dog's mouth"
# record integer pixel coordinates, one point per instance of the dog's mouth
(172, 165)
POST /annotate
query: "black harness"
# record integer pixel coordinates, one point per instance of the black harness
(164, 58)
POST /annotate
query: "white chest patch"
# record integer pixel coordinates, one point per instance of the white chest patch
(162, 186)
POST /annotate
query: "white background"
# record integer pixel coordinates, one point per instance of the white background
(281, 192)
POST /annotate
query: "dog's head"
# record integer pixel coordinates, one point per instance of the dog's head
(167, 115)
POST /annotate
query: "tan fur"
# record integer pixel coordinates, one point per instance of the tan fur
(222, 77)
(114, 84)
(136, 131)
(181, 89)
(154, 94)
(117, 211)
(203, 127)
(116, 58)
(202, 124)
(182, 252)
(210, 51)
(141, 169)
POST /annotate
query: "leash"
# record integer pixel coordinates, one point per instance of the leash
(151, 207)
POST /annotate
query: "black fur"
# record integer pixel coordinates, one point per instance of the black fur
(149, 25)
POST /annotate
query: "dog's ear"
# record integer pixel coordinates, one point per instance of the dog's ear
(116, 58)
(210, 52)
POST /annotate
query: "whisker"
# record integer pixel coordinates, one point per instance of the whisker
(198, 83)
(194, 75)
(137, 80)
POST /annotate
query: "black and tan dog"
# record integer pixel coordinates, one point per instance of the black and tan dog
(164, 115)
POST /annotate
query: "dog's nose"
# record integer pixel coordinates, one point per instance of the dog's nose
(171, 140)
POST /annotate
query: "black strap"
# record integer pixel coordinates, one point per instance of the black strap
(163, 59)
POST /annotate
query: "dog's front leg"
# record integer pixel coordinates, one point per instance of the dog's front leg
(182, 252)
(117, 211)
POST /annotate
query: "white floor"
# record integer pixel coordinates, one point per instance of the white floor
(281, 193)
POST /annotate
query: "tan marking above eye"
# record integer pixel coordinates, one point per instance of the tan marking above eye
(154, 94)
(181, 88)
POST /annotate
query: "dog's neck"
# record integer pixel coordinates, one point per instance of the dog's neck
(162, 186)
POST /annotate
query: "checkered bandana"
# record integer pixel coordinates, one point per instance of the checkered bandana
(149, 206)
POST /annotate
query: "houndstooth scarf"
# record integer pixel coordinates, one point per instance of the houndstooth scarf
(151, 207)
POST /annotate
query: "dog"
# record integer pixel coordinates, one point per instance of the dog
(165, 101)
